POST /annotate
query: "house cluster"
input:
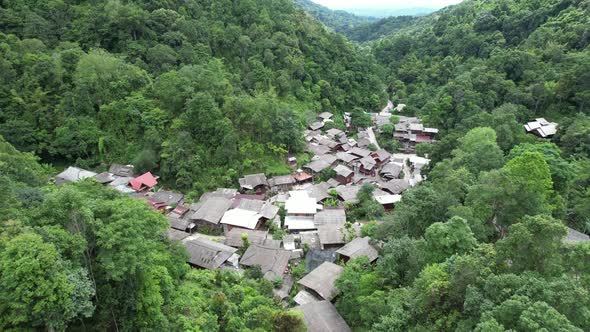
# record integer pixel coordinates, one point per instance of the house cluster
(541, 128)
(410, 131)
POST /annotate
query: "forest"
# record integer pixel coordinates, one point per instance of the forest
(202, 92)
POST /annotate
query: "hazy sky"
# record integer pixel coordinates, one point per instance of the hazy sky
(343, 4)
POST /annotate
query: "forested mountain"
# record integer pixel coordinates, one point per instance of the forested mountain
(173, 86)
(383, 28)
(339, 20)
(480, 245)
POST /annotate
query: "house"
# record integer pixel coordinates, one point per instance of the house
(360, 153)
(541, 128)
(357, 248)
(209, 255)
(302, 177)
(283, 292)
(573, 236)
(264, 208)
(208, 214)
(400, 107)
(410, 131)
(176, 235)
(233, 238)
(121, 184)
(348, 193)
(321, 280)
(316, 126)
(330, 144)
(319, 191)
(104, 178)
(73, 174)
(386, 200)
(310, 238)
(325, 116)
(228, 193)
(168, 198)
(254, 182)
(282, 183)
(272, 261)
(391, 171)
(330, 216)
(331, 235)
(143, 182)
(305, 297)
(381, 157)
(344, 174)
(181, 224)
(122, 170)
(322, 316)
(300, 209)
(346, 158)
(318, 149)
(320, 163)
(240, 218)
(334, 133)
(368, 166)
(394, 187)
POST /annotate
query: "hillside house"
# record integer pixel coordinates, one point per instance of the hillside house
(322, 316)
(368, 166)
(330, 216)
(105, 178)
(541, 128)
(143, 182)
(395, 186)
(344, 174)
(272, 261)
(302, 177)
(122, 170)
(325, 116)
(208, 214)
(331, 235)
(301, 210)
(254, 182)
(348, 194)
(357, 248)
(73, 174)
(391, 171)
(381, 157)
(320, 163)
(210, 255)
(321, 281)
(316, 126)
(410, 131)
(233, 238)
(282, 183)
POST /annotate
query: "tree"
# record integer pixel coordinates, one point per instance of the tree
(449, 238)
(478, 151)
(37, 289)
(533, 245)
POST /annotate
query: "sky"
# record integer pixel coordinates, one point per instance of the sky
(347, 4)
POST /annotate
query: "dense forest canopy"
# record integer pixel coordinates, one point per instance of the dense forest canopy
(339, 20)
(203, 91)
(173, 86)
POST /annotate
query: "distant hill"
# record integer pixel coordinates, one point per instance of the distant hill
(338, 20)
(382, 28)
(389, 12)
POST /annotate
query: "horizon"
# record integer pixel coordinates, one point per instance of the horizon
(385, 4)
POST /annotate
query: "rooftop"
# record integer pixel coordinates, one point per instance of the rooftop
(299, 202)
(212, 210)
(322, 317)
(252, 181)
(233, 238)
(273, 262)
(322, 279)
(241, 218)
(208, 254)
(357, 248)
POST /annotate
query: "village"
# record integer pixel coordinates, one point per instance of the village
(293, 229)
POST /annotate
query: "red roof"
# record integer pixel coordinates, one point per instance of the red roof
(302, 176)
(144, 181)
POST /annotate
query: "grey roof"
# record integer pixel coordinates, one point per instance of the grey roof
(317, 149)
(266, 209)
(382, 155)
(281, 180)
(228, 193)
(73, 174)
(252, 181)
(328, 142)
(363, 142)
(368, 162)
(343, 171)
(360, 152)
(176, 235)
(121, 181)
(285, 289)
(208, 254)
(334, 132)
(168, 197)
(311, 238)
(333, 183)
(212, 210)
(346, 157)
(395, 186)
(330, 216)
(316, 125)
(357, 248)
(305, 297)
(272, 261)
(233, 238)
(321, 280)
(122, 170)
(179, 223)
(331, 234)
(319, 191)
(104, 177)
(391, 170)
(318, 165)
(322, 317)
(348, 193)
(573, 236)
(325, 115)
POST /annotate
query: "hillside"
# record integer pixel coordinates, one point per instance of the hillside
(383, 28)
(215, 86)
(338, 20)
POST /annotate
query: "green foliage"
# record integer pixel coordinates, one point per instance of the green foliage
(367, 208)
(444, 240)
